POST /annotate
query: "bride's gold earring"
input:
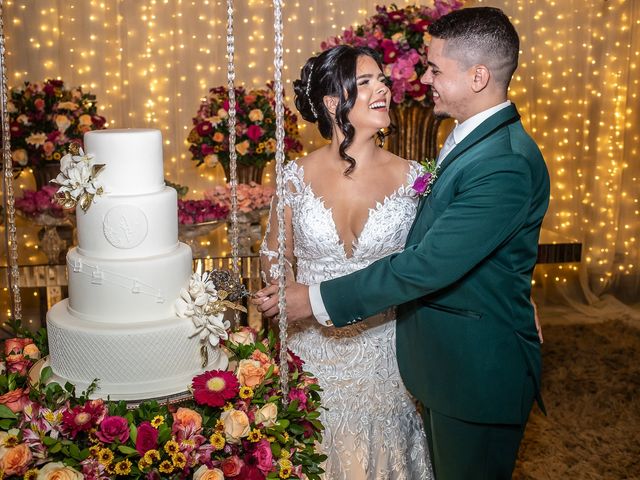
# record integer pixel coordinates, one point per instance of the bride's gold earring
(380, 138)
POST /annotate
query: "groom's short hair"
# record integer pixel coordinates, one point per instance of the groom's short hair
(480, 35)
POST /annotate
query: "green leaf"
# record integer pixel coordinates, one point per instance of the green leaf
(5, 412)
(127, 450)
(45, 374)
(7, 424)
(74, 451)
(133, 432)
(56, 448)
(48, 441)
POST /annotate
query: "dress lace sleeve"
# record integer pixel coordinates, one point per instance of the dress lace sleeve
(269, 247)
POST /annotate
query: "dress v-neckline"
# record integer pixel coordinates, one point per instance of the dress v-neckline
(379, 205)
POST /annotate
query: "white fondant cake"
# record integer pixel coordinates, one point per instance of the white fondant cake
(119, 323)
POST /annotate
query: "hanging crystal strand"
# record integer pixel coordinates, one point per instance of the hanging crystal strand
(233, 156)
(280, 187)
(11, 244)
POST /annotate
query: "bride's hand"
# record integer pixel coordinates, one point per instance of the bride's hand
(266, 300)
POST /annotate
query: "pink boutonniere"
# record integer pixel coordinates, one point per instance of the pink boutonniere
(423, 183)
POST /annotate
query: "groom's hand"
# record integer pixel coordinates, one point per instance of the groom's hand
(297, 296)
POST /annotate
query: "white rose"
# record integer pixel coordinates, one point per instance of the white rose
(236, 425)
(62, 122)
(36, 139)
(256, 115)
(20, 156)
(67, 106)
(222, 113)
(58, 471)
(211, 160)
(267, 415)
(11, 108)
(243, 337)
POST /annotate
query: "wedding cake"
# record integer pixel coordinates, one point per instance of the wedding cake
(119, 324)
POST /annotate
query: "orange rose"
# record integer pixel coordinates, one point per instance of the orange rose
(15, 400)
(250, 373)
(236, 425)
(203, 473)
(265, 360)
(15, 345)
(31, 351)
(16, 460)
(58, 471)
(218, 137)
(186, 416)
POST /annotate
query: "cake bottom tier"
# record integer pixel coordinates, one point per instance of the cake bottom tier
(132, 361)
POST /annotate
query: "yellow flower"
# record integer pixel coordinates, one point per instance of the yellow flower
(123, 467)
(227, 406)
(157, 421)
(246, 392)
(56, 155)
(260, 149)
(285, 472)
(285, 463)
(166, 467)
(171, 447)
(31, 474)
(217, 441)
(255, 435)
(285, 436)
(143, 464)
(10, 441)
(179, 460)
(94, 450)
(105, 456)
(285, 454)
(270, 145)
(219, 423)
(151, 456)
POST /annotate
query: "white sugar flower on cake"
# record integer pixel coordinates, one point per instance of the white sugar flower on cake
(78, 179)
(205, 305)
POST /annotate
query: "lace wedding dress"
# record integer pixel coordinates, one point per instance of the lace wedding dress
(372, 429)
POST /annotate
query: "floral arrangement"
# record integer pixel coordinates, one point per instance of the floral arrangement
(45, 117)
(78, 179)
(192, 212)
(39, 202)
(255, 128)
(237, 426)
(424, 182)
(400, 36)
(251, 196)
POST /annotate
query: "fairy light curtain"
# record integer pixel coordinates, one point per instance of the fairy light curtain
(577, 89)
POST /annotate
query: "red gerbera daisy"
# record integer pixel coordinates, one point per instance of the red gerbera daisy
(83, 418)
(215, 387)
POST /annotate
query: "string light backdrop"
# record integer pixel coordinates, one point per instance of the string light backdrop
(151, 61)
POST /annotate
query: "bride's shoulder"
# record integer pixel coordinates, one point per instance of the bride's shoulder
(409, 167)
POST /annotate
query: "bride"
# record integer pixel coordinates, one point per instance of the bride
(348, 204)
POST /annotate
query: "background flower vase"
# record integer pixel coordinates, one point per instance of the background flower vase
(416, 131)
(255, 143)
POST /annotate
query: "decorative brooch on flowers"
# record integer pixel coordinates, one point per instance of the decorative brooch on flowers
(204, 302)
(423, 184)
(78, 179)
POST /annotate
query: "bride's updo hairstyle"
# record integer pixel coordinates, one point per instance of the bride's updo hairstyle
(332, 73)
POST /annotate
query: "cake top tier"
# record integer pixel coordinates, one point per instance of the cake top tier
(133, 159)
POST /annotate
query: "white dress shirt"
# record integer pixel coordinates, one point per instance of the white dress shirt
(458, 134)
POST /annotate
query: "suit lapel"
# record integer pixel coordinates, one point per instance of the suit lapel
(495, 122)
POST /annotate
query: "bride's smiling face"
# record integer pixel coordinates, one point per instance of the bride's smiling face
(371, 108)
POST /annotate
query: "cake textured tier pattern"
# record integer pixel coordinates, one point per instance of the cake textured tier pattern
(119, 324)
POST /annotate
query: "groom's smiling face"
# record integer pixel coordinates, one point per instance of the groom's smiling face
(449, 82)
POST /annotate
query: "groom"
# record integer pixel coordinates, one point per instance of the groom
(466, 341)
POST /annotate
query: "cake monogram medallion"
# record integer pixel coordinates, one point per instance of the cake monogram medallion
(125, 226)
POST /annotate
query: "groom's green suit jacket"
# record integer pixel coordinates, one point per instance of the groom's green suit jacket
(466, 336)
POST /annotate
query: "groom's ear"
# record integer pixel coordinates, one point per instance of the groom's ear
(331, 103)
(480, 77)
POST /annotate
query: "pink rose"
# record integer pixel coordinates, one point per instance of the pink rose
(15, 400)
(421, 183)
(39, 104)
(112, 429)
(48, 148)
(254, 132)
(231, 466)
(15, 345)
(263, 456)
(147, 438)
(18, 364)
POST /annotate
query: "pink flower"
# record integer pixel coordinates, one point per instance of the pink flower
(215, 387)
(112, 429)
(204, 128)
(39, 104)
(422, 182)
(263, 456)
(15, 345)
(147, 438)
(15, 400)
(83, 418)
(231, 466)
(298, 394)
(254, 132)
